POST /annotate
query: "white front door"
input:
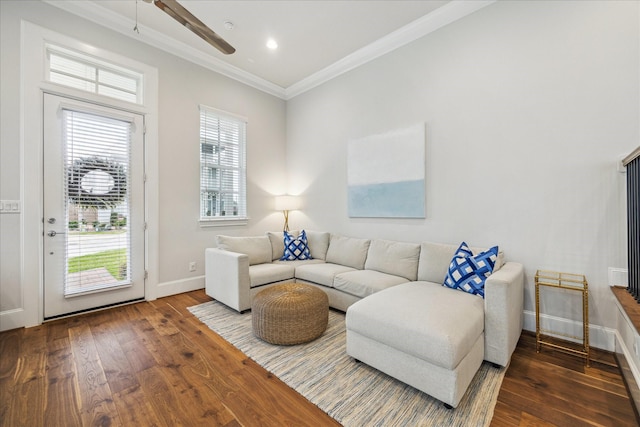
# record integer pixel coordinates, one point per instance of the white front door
(93, 209)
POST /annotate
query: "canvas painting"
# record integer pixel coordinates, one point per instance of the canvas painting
(386, 174)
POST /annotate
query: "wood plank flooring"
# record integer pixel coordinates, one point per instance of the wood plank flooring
(154, 364)
(552, 388)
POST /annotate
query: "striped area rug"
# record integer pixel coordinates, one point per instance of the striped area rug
(354, 394)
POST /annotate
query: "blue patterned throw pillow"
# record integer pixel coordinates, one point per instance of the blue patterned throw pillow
(468, 272)
(295, 247)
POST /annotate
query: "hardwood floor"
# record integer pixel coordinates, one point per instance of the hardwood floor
(154, 364)
(552, 388)
(148, 364)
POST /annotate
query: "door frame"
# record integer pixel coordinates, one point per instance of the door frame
(57, 303)
(34, 86)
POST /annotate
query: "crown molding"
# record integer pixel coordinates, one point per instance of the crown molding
(429, 23)
(440, 17)
(100, 15)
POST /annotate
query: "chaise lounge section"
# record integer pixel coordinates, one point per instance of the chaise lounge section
(435, 338)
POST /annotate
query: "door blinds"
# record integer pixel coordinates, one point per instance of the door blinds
(96, 197)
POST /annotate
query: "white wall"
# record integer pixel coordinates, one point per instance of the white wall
(528, 108)
(182, 86)
(181, 238)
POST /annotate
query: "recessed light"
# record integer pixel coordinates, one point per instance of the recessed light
(272, 44)
(229, 25)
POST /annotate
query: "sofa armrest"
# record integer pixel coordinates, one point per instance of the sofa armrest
(227, 278)
(503, 312)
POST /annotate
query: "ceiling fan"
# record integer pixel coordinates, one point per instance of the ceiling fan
(186, 18)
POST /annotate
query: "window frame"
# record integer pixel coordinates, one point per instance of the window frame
(100, 66)
(208, 166)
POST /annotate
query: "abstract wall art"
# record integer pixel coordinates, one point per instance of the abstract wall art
(386, 174)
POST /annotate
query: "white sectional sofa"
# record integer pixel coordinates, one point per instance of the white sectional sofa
(400, 319)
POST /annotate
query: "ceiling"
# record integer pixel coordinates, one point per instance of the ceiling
(317, 40)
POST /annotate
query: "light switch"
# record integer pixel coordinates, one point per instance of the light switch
(9, 206)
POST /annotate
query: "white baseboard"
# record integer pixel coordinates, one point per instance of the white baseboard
(627, 345)
(599, 336)
(628, 355)
(166, 289)
(11, 319)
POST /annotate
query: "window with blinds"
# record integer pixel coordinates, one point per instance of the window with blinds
(222, 166)
(73, 69)
(96, 195)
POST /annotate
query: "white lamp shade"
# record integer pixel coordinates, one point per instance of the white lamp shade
(287, 203)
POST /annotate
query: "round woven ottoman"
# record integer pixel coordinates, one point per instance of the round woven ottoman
(290, 313)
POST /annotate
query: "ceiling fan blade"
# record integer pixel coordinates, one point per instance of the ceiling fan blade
(183, 16)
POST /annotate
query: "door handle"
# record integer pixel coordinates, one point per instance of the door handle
(52, 233)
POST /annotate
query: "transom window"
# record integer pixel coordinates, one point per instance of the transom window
(222, 165)
(80, 71)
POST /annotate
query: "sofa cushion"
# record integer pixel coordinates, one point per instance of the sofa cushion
(468, 272)
(318, 244)
(299, 262)
(434, 261)
(295, 248)
(276, 238)
(395, 258)
(262, 274)
(322, 274)
(258, 249)
(348, 251)
(436, 257)
(426, 320)
(362, 283)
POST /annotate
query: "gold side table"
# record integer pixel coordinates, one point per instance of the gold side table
(571, 282)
